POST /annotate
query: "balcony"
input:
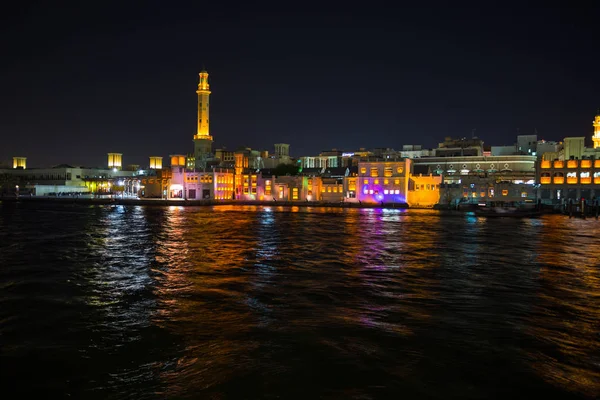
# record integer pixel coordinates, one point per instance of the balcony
(572, 164)
(586, 163)
(559, 164)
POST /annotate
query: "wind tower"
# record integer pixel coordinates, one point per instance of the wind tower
(596, 137)
(202, 139)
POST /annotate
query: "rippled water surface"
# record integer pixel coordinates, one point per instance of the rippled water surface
(266, 302)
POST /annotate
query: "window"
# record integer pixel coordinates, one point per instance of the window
(335, 189)
(295, 194)
(388, 171)
(366, 181)
(376, 181)
(504, 192)
(245, 190)
(268, 190)
(281, 192)
(386, 181)
(340, 188)
(371, 191)
(396, 181)
(322, 189)
(397, 191)
(523, 194)
(310, 182)
(253, 190)
(363, 171)
(374, 172)
(385, 191)
(400, 169)
(328, 189)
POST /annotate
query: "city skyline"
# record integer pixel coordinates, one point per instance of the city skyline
(339, 80)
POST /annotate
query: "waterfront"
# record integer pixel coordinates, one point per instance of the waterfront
(289, 302)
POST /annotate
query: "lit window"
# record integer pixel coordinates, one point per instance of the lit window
(245, 190)
(363, 171)
(254, 190)
(335, 189)
(371, 191)
(340, 188)
(374, 172)
(396, 181)
(523, 194)
(400, 169)
(328, 189)
(504, 192)
(310, 182)
(323, 189)
(385, 191)
(366, 181)
(386, 181)
(295, 194)
(376, 181)
(397, 191)
(366, 191)
(388, 171)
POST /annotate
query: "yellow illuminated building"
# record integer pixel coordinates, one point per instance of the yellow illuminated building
(202, 139)
(596, 137)
(155, 162)
(115, 160)
(20, 162)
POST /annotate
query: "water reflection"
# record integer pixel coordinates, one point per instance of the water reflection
(268, 302)
(566, 319)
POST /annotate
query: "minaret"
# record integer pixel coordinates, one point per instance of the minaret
(202, 139)
(596, 137)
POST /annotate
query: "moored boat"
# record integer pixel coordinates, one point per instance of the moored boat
(508, 210)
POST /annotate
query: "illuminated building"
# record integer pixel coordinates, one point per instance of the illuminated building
(20, 162)
(65, 180)
(185, 184)
(423, 191)
(115, 161)
(155, 162)
(383, 182)
(596, 124)
(203, 140)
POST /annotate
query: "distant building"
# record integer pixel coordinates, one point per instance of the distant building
(459, 147)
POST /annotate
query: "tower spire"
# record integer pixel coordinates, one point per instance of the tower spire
(596, 124)
(202, 139)
(203, 93)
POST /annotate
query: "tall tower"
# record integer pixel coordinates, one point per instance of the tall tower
(596, 137)
(202, 139)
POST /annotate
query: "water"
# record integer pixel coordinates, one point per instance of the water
(266, 302)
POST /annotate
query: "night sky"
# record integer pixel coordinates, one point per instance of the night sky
(80, 81)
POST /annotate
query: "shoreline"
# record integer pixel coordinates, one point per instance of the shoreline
(200, 203)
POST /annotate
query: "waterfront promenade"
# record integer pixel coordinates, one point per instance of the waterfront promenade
(180, 202)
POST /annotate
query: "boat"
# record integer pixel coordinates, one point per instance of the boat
(501, 209)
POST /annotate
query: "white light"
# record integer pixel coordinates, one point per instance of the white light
(120, 183)
(114, 170)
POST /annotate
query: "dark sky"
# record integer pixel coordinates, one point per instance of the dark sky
(79, 81)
